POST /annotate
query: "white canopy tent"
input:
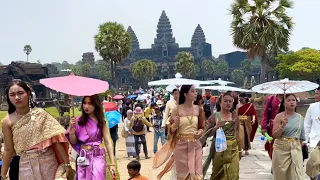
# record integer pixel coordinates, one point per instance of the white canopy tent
(177, 81)
(224, 88)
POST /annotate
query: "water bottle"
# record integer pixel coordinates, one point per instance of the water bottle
(262, 141)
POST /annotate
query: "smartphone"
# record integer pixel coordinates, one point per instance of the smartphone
(113, 174)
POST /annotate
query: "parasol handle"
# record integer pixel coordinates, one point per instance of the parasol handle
(72, 106)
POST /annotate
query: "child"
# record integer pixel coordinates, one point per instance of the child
(134, 171)
(158, 130)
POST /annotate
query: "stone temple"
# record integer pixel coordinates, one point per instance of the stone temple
(163, 51)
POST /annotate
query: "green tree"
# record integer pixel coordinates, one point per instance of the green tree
(184, 64)
(208, 67)
(252, 81)
(85, 69)
(113, 43)
(27, 49)
(66, 65)
(143, 70)
(246, 67)
(196, 71)
(246, 83)
(261, 26)
(103, 71)
(222, 68)
(302, 65)
(237, 76)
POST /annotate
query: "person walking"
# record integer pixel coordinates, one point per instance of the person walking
(158, 130)
(137, 124)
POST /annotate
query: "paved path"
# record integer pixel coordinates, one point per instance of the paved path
(255, 166)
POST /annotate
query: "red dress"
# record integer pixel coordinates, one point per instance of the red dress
(249, 110)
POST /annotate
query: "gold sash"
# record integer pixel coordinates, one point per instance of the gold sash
(28, 131)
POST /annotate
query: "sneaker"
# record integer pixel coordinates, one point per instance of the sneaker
(147, 157)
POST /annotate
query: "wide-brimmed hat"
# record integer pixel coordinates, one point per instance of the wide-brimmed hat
(138, 110)
(159, 102)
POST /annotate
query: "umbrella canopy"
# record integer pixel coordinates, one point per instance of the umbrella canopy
(178, 80)
(131, 96)
(219, 81)
(113, 118)
(141, 97)
(110, 106)
(284, 86)
(224, 88)
(118, 97)
(76, 85)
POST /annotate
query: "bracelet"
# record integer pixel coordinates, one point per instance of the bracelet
(3, 178)
(66, 164)
(111, 164)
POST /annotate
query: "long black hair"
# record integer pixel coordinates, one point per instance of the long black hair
(282, 105)
(98, 112)
(218, 105)
(244, 96)
(25, 87)
(183, 90)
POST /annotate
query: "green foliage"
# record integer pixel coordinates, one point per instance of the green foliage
(246, 67)
(103, 71)
(113, 43)
(301, 65)
(237, 76)
(143, 70)
(221, 68)
(27, 49)
(245, 83)
(52, 69)
(260, 27)
(184, 64)
(196, 71)
(82, 70)
(208, 67)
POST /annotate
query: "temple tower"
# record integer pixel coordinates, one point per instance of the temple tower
(198, 41)
(134, 40)
(88, 58)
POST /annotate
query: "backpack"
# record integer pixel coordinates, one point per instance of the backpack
(206, 108)
(138, 125)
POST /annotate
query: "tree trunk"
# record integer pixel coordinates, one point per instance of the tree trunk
(263, 77)
(112, 73)
(116, 77)
(27, 58)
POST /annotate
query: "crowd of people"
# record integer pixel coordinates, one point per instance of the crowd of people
(36, 144)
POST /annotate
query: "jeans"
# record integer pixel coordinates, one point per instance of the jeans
(114, 137)
(157, 135)
(143, 142)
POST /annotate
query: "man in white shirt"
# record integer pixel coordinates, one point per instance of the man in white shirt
(169, 107)
(312, 121)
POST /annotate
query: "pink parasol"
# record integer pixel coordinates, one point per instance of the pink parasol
(118, 97)
(76, 85)
(110, 106)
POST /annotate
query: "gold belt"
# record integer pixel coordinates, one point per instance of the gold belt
(186, 137)
(32, 154)
(288, 139)
(88, 147)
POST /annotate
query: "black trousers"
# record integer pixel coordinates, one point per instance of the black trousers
(114, 137)
(14, 168)
(143, 142)
(149, 120)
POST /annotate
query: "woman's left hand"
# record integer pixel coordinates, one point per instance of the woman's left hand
(198, 134)
(66, 171)
(240, 155)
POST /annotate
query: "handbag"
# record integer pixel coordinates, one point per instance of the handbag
(124, 133)
(83, 160)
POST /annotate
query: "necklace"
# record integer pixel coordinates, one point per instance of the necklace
(190, 120)
(18, 114)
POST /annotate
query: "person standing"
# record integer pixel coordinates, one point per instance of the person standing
(209, 103)
(129, 139)
(137, 124)
(312, 122)
(148, 112)
(288, 132)
(270, 111)
(158, 130)
(171, 104)
(86, 134)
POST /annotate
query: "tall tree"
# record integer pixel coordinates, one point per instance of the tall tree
(103, 70)
(208, 67)
(27, 49)
(143, 70)
(113, 43)
(52, 69)
(237, 76)
(246, 67)
(221, 69)
(258, 27)
(303, 65)
(184, 63)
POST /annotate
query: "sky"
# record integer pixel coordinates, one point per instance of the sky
(59, 30)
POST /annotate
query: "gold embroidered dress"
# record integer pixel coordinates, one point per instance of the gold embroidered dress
(33, 137)
(287, 160)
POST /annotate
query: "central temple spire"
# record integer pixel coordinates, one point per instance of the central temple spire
(164, 32)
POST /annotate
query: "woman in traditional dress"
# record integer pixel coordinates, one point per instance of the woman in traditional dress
(248, 122)
(185, 145)
(130, 139)
(86, 134)
(34, 135)
(226, 163)
(288, 132)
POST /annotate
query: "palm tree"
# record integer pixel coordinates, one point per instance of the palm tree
(27, 49)
(113, 43)
(184, 63)
(258, 28)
